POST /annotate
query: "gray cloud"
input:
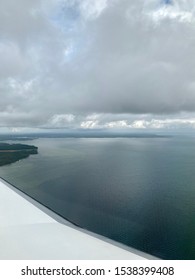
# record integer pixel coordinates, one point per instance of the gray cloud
(116, 60)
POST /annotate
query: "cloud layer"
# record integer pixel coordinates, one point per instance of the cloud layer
(129, 63)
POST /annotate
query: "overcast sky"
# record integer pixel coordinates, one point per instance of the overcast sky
(97, 64)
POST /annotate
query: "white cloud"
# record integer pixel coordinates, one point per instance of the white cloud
(93, 116)
(173, 12)
(133, 123)
(117, 124)
(61, 120)
(22, 88)
(139, 124)
(92, 9)
(16, 129)
(172, 123)
(89, 124)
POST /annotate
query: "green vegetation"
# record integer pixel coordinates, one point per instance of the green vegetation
(16, 147)
(12, 153)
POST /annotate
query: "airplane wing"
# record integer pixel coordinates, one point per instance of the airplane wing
(28, 230)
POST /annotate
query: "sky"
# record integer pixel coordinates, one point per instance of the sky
(97, 64)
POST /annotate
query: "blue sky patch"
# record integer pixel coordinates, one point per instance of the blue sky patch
(168, 2)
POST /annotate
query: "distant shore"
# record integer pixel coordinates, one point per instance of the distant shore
(10, 153)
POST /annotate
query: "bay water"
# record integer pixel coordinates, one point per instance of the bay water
(138, 191)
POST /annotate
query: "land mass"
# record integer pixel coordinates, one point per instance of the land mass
(10, 153)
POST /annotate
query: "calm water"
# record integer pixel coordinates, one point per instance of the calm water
(138, 191)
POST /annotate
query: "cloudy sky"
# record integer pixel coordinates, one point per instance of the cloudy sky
(97, 64)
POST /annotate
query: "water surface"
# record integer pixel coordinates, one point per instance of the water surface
(138, 191)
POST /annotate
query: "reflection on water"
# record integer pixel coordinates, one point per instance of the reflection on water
(137, 191)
